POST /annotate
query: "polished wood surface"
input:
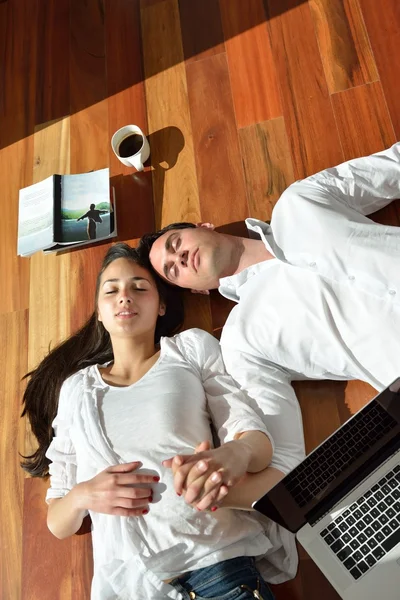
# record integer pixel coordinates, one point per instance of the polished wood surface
(238, 100)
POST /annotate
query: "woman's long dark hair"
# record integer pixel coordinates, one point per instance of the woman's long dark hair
(90, 345)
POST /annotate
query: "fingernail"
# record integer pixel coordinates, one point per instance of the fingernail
(202, 466)
(156, 479)
(215, 477)
(214, 508)
(177, 493)
(145, 511)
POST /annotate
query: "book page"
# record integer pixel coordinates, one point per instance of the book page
(35, 217)
(85, 207)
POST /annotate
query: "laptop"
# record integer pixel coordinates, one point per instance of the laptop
(343, 502)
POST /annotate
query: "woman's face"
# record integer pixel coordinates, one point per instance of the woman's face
(128, 303)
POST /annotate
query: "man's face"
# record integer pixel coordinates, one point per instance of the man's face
(191, 258)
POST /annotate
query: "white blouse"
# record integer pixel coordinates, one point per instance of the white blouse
(166, 412)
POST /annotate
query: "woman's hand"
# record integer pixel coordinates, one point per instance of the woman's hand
(204, 477)
(111, 491)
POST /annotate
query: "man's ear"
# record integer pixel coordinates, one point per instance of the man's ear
(206, 225)
(205, 292)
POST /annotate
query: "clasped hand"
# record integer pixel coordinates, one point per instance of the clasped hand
(204, 478)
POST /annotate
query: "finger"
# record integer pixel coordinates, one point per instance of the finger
(129, 512)
(132, 503)
(199, 469)
(203, 486)
(135, 493)
(125, 467)
(129, 479)
(203, 447)
(180, 477)
(212, 500)
(176, 461)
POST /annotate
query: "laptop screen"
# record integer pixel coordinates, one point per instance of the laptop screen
(337, 465)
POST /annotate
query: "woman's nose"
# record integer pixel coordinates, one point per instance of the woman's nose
(124, 298)
(183, 258)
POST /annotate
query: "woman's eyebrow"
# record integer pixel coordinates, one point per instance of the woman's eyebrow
(168, 243)
(132, 279)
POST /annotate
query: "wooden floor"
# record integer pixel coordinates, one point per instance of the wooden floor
(239, 98)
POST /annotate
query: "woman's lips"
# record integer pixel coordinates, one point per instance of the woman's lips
(126, 314)
(195, 260)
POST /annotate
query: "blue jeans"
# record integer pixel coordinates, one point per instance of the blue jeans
(234, 579)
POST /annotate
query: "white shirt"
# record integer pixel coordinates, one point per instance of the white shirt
(166, 412)
(328, 305)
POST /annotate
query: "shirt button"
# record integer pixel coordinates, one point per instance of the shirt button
(313, 264)
(392, 292)
(351, 277)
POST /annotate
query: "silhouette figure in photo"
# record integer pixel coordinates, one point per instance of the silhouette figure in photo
(93, 216)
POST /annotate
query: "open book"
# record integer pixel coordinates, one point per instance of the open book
(64, 211)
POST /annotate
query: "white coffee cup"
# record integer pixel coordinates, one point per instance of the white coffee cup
(135, 151)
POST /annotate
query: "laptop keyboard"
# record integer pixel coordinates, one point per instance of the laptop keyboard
(352, 440)
(369, 528)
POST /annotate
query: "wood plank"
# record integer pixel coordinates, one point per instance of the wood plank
(343, 42)
(18, 70)
(3, 45)
(88, 87)
(82, 565)
(197, 312)
(383, 26)
(201, 25)
(126, 105)
(363, 119)
(318, 401)
(268, 167)
(255, 87)
(18, 76)
(215, 138)
(47, 562)
(310, 123)
(13, 356)
(16, 172)
(175, 192)
(52, 89)
(49, 274)
(356, 396)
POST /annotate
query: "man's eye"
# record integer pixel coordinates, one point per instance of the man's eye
(140, 290)
(110, 292)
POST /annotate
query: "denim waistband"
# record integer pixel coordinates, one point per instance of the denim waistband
(199, 577)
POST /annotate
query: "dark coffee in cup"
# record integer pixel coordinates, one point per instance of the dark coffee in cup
(130, 145)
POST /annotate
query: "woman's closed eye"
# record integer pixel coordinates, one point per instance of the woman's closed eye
(176, 244)
(173, 271)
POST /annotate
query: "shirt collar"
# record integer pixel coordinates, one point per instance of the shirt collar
(230, 286)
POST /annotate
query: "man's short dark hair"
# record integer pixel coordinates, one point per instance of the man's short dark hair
(147, 240)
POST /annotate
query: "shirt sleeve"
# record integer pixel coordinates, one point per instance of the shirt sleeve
(365, 184)
(269, 387)
(61, 451)
(229, 407)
